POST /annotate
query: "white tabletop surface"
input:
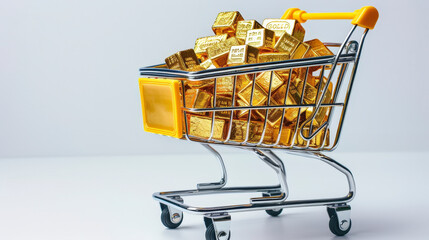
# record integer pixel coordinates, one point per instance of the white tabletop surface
(110, 197)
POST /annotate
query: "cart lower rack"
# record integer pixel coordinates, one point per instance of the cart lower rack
(165, 111)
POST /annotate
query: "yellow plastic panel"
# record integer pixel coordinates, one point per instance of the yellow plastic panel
(161, 106)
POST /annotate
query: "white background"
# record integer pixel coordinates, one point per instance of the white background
(69, 69)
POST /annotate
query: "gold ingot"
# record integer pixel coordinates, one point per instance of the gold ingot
(226, 22)
(259, 95)
(207, 83)
(197, 98)
(319, 48)
(201, 44)
(218, 53)
(287, 43)
(201, 127)
(260, 38)
(280, 26)
(296, 88)
(242, 54)
(315, 142)
(208, 64)
(242, 28)
(182, 60)
(223, 101)
(244, 113)
(195, 68)
(273, 57)
(265, 78)
(321, 114)
(225, 85)
(286, 135)
(239, 131)
(300, 51)
(291, 114)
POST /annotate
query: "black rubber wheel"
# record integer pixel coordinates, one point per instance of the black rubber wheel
(331, 212)
(335, 227)
(274, 213)
(211, 235)
(166, 220)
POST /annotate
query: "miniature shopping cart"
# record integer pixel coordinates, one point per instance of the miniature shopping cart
(165, 112)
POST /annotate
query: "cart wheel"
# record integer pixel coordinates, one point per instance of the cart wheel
(168, 221)
(211, 234)
(274, 212)
(335, 227)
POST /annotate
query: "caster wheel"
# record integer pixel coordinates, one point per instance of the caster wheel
(211, 234)
(274, 212)
(170, 222)
(337, 229)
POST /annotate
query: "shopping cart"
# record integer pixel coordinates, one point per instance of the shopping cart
(165, 112)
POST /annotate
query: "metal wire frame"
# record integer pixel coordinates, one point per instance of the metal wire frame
(352, 51)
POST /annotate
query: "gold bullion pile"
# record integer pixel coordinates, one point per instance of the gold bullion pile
(237, 42)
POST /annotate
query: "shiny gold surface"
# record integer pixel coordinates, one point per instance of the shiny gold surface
(319, 48)
(201, 127)
(239, 131)
(242, 54)
(197, 98)
(260, 38)
(182, 60)
(310, 92)
(273, 57)
(226, 22)
(223, 101)
(218, 53)
(224, 85)
(242, 28)
(287, 43)
(201, 44)
(290, 113)
(207, 64)
(207, 83)
(280, 26)
(300, 51)
(286, 135)
(265, 78)
(259, 95)
(316, 142)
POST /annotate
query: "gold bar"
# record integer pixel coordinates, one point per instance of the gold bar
(287, 43)
(259, 95)
(226, 22)
(264, 78)
(261, 38)
(242, 28)
(207, 83)
(223, 101)
(280, 26)
(321, 114)
(244, 113)
(201, 127)
(310, 92)
(197, 98)
(286, 135)
(273, 57)
(224, 85)
(218, 53)
(300, 51)
(182, 60)
(290, 113)
(208, 64)
(201, 44)
(316, 142)
(319, 48)
(239, 131)
(242, 54)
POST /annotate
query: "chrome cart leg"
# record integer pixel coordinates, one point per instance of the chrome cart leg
(339, 219)
(171, 217)
(218, 226)
(223, 180)
(275, 163)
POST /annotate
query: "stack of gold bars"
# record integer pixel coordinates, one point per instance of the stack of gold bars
(237, 42)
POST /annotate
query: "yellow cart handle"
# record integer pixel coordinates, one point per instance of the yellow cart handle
(365, 17)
